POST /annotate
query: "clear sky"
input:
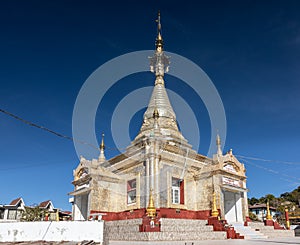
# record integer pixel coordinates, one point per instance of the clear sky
(249, 49)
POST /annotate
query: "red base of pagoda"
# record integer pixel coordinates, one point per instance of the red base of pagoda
(150, 225)
(221, 225)
(276, 225)
(161, 213)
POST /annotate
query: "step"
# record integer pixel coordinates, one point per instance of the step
(122, 228)
(270, 231)
(124, 222)
(247, 232)
(280, 233)
(183, 228)
(188, 222)
(167, 236)
(171, 230)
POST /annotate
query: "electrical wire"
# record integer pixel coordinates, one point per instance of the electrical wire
(289, 177)
(266, 160)
(242, 158)
(46, 129)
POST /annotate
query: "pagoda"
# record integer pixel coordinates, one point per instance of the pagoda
(160, 168)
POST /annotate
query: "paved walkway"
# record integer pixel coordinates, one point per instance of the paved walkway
(277, 241)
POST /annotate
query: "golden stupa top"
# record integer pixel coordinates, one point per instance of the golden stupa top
(159, 64)
(102, 146)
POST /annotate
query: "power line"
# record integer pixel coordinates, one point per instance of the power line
(287, 177)
(56, 133)
(46, 129)
(243, 158)
(267, 160)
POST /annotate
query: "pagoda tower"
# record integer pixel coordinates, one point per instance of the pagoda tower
(160, 161)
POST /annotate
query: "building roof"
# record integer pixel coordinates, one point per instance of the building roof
(15, 202)
(45, 204)
(260, 205)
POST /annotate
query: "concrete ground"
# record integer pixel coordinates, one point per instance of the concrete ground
(277, 241)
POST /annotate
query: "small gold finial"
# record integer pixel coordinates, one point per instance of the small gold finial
(102, 146)
(214, 210)
(151, 210)
(155, 113)
(218, 140)
(269, 216)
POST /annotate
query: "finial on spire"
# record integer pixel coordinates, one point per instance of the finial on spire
(151, 210)
(159, 63)
(158, 22)
(218, 142)
(159, 40)
(102, 148)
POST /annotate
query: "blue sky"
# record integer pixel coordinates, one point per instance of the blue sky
(249, 49)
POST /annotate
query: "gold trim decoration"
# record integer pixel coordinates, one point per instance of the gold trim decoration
(214, 211)
(151, 210)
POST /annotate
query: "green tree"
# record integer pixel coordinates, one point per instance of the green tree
(253, 201)
(33, 214)
(252, 216)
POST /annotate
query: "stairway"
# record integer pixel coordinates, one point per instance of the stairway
(247, 231)
(171, 230)
(269, 231)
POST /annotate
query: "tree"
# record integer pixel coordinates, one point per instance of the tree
(33, 214)
(252, 216)
(253, 201)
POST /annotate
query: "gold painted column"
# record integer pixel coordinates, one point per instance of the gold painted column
(287, 219)
(214, 210)
(151, 210)
(269, 216)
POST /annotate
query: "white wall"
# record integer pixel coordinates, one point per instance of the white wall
(51, 231)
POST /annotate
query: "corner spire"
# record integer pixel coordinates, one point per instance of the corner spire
(269, 216)
(218, 142)
(102, 148)
(214, 210)
(151, 210)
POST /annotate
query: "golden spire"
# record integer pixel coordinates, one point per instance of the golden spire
(102, 147)
(159, 40)
(158, 22)
(269, 216)
(218, 142)
(159, 63)
(214, 210)
(151, 210)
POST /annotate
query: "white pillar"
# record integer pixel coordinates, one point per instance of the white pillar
(156, 165)
(152, 167)
(147, 176)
